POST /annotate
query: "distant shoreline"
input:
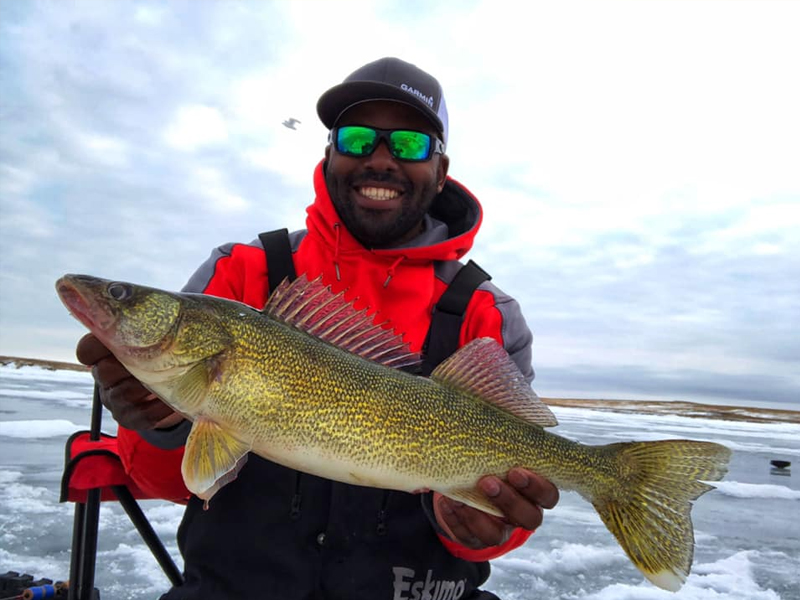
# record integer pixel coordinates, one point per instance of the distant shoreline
(665, 407)
(683, 409)
(50, 365)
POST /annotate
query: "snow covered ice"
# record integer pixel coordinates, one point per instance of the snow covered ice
(747, 530)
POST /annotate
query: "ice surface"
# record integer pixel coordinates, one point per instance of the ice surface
(747, 530)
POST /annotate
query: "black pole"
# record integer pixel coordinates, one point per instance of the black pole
(97, 415)
(77, 552)
(85, 525)
(89, 557)
(149, 536)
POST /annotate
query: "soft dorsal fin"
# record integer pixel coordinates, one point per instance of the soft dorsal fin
(312, 307)
(484, 368)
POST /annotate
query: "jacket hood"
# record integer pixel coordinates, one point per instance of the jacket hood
(455, 206)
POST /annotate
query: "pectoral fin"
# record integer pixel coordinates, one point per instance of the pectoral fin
(191, 388)
(212, 458)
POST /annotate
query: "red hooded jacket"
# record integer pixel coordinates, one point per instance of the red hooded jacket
(402, 285)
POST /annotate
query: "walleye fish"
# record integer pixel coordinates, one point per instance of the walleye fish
(312, 384)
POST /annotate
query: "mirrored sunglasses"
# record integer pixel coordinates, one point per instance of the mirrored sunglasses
(404, 144)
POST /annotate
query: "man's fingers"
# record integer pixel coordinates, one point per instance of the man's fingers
(141, 415)
(517, 509)
(534, 487)
(456, 528)
(131, 404)
(90, 350)
(520, 499)
(108, 373)
(488, 529)
(127, 390)
(471, 527)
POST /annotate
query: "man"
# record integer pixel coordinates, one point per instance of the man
(387, 227)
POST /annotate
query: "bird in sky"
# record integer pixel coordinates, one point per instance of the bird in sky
(290, 123)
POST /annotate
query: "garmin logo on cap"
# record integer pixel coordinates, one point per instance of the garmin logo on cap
(426, 99)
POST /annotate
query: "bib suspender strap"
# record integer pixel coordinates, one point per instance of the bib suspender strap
(278, 251)
(445, 329)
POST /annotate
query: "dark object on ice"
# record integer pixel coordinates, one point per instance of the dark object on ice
(13, 585)
(780, 467)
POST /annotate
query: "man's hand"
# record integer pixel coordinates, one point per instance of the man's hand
(520, 499)
(131, 404)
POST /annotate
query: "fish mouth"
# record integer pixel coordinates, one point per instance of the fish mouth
(80, 305)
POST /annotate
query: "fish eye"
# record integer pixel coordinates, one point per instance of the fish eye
(119, 291)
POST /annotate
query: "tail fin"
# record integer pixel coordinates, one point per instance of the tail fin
(648, 509)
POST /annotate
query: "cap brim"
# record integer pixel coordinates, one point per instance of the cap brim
(341, 97)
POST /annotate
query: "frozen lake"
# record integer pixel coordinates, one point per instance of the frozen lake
(747, 531)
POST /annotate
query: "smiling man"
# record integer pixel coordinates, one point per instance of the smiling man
(388, 227)
(383, 200)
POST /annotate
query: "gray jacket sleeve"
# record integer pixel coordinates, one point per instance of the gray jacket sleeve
(517, 336)
(168, 439)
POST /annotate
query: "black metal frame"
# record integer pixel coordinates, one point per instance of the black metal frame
(85, 529)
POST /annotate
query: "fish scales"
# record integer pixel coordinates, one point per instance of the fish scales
(361, 412)
(329, 404)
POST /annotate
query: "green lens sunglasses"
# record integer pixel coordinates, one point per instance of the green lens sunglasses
(404, 144)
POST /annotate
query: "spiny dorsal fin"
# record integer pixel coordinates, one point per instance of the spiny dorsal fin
(312, 307)
(484, 368)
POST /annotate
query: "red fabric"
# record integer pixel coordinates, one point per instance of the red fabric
(401, 281)
(517, 538)
(94, 464)
(98, 464)
(157, 472)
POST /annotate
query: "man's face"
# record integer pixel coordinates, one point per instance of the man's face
(382, 200)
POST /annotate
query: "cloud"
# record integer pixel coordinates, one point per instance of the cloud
(196, 126)
(633, 382)
(636, 162)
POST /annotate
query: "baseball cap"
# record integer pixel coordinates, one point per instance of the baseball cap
(386, 79)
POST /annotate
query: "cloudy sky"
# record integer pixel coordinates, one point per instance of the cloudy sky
(637, 162)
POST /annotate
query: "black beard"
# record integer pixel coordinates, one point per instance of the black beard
(371, 232)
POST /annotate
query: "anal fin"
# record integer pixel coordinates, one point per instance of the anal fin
(474, 498)
(213, 458)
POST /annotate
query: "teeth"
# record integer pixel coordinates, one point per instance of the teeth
(375, 193)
